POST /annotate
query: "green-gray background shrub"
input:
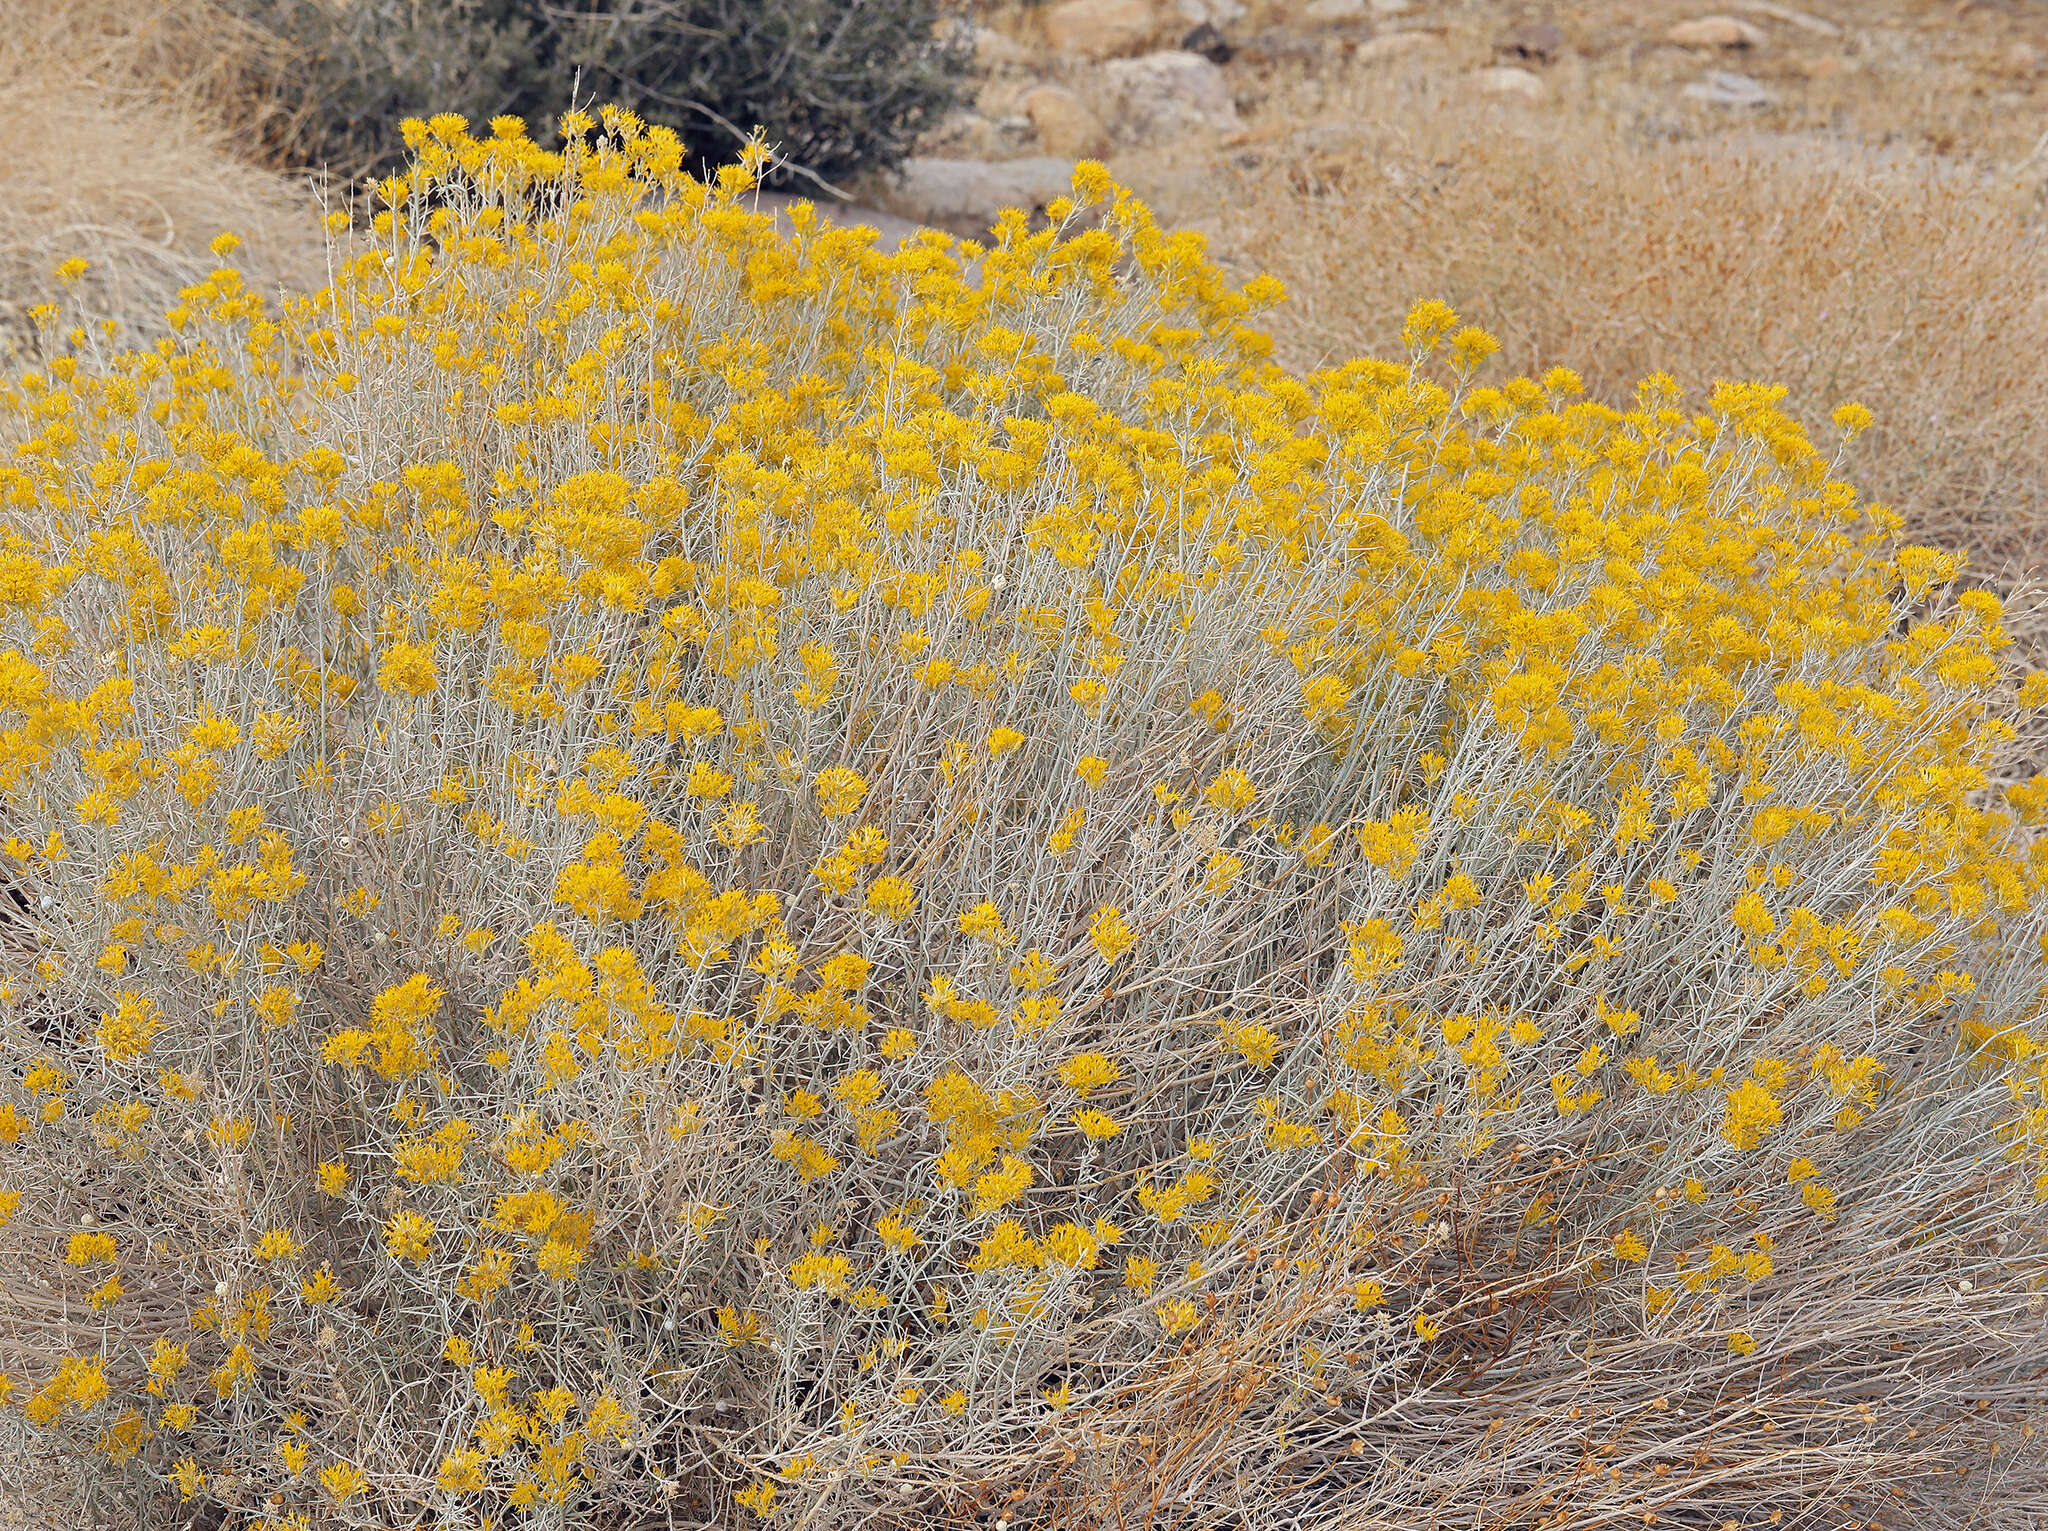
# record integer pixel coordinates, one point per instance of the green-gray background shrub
(837, 86)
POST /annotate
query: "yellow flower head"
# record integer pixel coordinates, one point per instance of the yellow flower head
(408, 670)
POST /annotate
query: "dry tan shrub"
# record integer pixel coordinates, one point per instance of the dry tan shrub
(1917, 286)
(119, 130)
(197, 51)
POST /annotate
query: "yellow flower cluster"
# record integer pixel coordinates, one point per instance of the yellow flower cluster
(628, 812)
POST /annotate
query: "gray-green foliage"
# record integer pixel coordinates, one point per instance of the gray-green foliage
(837, 86)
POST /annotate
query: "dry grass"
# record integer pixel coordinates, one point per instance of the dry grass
(119, 128)
(1916, 285)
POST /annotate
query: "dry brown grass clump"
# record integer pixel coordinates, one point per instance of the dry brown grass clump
(119, 129)
(1916, 285)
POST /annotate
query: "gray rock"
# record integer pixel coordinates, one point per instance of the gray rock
(1392, 45)
(1161, 96)
(893, 231)
(1064, 125)
(1209, 13)
(1724, 87)
(1507, 83)
(1537, 42)
(964, 196)
(1099, 28)
(1352, 10)
(1819, 26)
(1716, 32)
(1277, 45)
(962, 135)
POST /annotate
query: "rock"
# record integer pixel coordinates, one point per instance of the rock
(999, 129)
(995, 50)
(1064, 124)
(964, 197)
(1277, 45)
(1507, 83)
(1818, 26)
(1015, 134)
(1209, 13)
(1208, 42)
(1723, 87)
(961, 135)
(1101, 28)
(1716, 32)
(2022, 59)
(1539, 42)
(1001, 98)
(1163, 95)
(1352, 10)
(1392, 45)
(893, 231)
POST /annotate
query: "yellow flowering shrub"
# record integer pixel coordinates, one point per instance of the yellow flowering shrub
(683, 871)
